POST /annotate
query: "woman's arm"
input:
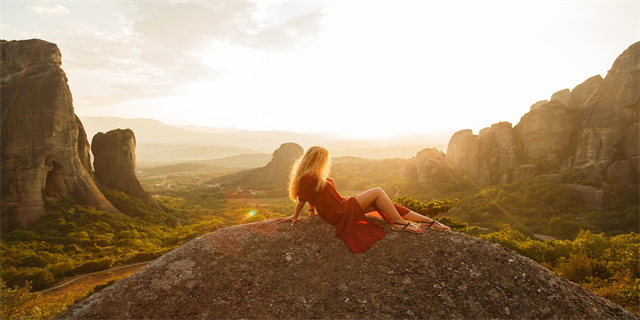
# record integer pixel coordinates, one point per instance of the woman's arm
(311, 210)
(296, 213)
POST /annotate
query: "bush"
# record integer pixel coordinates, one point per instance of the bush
(38, 278)
(94, 265)
(431, 209)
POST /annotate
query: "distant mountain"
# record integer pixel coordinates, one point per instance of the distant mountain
(183, 167)
(160, 153)
(404, 152)
(150, 131)
(239, 161)
(155, 132)
(160, 144)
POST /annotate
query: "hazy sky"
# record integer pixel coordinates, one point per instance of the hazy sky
(362, 68)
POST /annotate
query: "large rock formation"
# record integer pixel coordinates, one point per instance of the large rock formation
(609, 131)
(274, 176)
(115, 163)
(44, 146)
(592, 129)
(427, 163)
(266, 271)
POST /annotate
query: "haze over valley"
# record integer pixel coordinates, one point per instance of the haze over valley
(160, 144)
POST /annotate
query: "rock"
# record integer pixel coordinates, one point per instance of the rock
(44, 146)
(581, 93)
(582, 131)
(609, 114)
(538, 104)
(525, 171)
(267, 271)
(273, 176)
(504, 145)
(498, 153)
(462, 152)
(547, 129)
(589, 194)
(564, 97)
(621, 172)
(115, 164)
(428, 162)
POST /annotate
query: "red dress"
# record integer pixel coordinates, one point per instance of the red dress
(352, 225)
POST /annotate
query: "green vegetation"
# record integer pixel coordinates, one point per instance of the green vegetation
(608, 266)
(545, 207)
(598, 248)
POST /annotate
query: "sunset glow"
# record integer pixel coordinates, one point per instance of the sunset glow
(357, 68)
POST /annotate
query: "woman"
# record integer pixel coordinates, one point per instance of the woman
(310, 182)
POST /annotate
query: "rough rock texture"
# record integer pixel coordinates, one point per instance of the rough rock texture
(462, 152)
(115, 163)
(275, 175)
(266, 271)
(611, 119)
(592, 130)
(547, 129)
(490, 157)
(44, 146)
(582, 92)
(428, 162)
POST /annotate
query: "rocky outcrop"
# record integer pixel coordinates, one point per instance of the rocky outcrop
(115, 164)
(427, 163)
(489, 157)
(273, 176)
(592, 130)
(463, 152)
(610, 126)
(268, 271)
(44, 146)
(548, 129)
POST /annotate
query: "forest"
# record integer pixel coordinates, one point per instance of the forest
(595, 247)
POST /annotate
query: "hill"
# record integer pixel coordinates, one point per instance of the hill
(263, 270)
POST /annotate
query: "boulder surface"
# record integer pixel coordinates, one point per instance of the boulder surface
(266, 270)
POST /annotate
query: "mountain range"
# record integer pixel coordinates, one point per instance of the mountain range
(160, 144)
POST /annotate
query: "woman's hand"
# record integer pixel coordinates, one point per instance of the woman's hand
(293, 220)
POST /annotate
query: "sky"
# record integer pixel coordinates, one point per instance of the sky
(361, 69)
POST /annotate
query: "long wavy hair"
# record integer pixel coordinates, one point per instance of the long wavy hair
(315, 160)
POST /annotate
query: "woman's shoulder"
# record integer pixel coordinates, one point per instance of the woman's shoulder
(309, 175)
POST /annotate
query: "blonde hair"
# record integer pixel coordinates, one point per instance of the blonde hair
(315, 160)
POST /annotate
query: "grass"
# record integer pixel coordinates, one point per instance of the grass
(74, 289)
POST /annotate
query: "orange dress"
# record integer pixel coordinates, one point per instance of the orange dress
(352, 225)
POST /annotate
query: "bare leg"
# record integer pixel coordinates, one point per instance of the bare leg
(380, 198)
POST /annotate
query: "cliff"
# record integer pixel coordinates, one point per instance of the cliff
(592, 130)
(45, 152)
(115, 164)
(266, 271)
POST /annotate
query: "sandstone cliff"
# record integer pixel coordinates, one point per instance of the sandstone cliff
(44, 146)
(591, 130)
(115, 164)
(266, 271)
(273, 176)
